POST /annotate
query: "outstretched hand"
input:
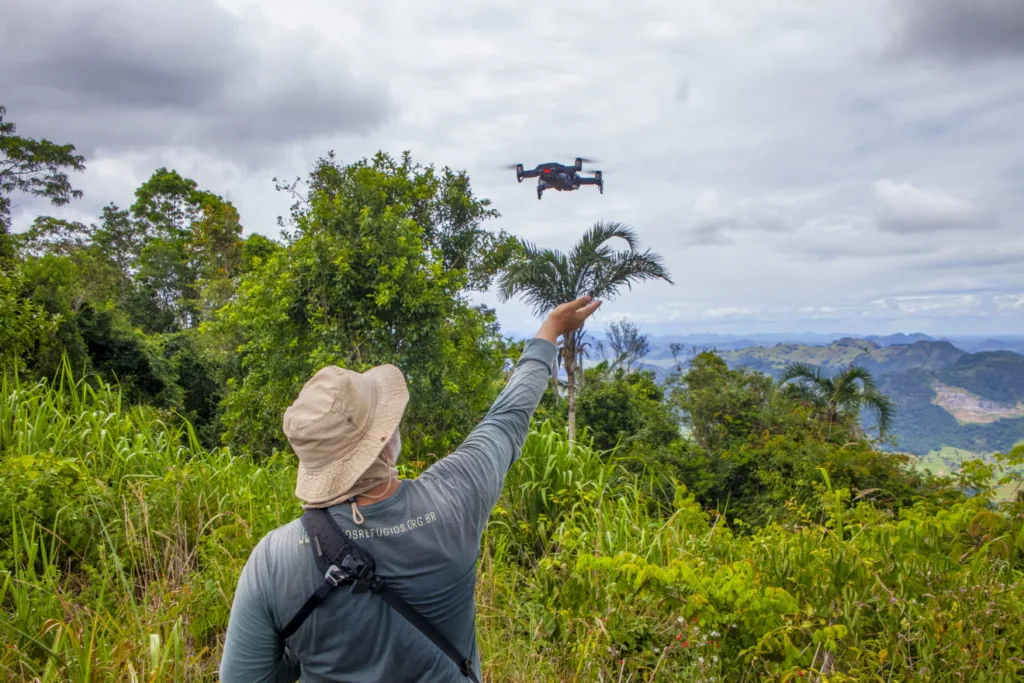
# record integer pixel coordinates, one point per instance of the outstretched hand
(567, 317)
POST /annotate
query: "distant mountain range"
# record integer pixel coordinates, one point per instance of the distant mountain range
(964, 392)
(660, 344)
(944, 395)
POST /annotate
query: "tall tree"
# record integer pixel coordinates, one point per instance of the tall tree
(191, 246)
(119, 238)
(627, 343)
(545, 278)
(839, 399)
(38, 168)
(363, 279)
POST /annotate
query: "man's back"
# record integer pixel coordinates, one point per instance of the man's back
(425, 539)
(425, 549)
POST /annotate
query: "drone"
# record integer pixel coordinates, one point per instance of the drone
(555, 176)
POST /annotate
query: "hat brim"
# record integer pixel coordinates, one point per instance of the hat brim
(320, 485)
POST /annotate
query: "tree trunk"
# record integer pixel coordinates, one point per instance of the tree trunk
(571, 394)
(579, 365)
(554, 377)
(569, 358)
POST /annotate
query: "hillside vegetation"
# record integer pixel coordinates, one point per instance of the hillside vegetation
(945, 396)
(125, 539)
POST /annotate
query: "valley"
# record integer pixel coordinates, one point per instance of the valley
(946, 396)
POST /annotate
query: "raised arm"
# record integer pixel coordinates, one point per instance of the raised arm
(475, 472)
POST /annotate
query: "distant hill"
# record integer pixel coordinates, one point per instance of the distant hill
(978, 344)
(660, 344)
(879, 359)
(945, 396)
(900, 338)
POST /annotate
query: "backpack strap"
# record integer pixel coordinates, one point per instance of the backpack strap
(344, 562)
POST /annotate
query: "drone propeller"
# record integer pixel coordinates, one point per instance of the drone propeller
(585, 160)
(512, 167)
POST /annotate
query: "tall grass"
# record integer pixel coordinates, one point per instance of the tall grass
(121, 540)
(122, 537)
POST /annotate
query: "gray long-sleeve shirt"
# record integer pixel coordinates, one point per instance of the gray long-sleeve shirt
(425, 539)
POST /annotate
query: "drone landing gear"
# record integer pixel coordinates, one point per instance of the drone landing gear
(540, 192)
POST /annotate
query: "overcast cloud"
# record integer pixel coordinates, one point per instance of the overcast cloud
(826, 166)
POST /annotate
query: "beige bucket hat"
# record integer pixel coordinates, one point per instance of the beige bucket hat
(338, 425)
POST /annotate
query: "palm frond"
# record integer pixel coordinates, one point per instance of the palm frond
(625, 268)
(883, 408)
(801, 393)
(850, 375)
(543, 277)
(805, 372)
(594, 239)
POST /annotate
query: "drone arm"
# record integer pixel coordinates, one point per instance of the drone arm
(530, 173)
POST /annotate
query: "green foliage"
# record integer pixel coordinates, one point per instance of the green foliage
(852, 594)
(24, 324)
(123, 539)
(92, 339)
(368, 277)
(123, 514)
(756, 453)
(196, 370)
(192, 248)
(838, 400)
(34, 167)
(624, 410)
(723, 406)
(256, 249)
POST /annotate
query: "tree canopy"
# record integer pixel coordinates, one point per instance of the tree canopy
(38, 168)
(375, 270)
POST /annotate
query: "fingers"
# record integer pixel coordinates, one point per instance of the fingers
(578, 317)
(571, 307)
(587, 310)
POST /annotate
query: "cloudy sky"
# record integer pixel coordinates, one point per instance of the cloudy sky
(802, 166)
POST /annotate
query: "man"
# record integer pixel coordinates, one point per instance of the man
(423, 533)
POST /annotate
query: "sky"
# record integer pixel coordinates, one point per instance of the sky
(826, 166)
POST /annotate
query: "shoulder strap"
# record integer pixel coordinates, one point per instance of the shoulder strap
(344, 562)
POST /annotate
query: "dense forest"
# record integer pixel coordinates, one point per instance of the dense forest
(720, 525)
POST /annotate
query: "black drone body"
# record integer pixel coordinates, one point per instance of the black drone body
(555, 176)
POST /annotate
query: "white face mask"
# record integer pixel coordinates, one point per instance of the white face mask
(393, 448)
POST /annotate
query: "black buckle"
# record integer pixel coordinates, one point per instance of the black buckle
(355, 568)
(466, 667)
(373, 584)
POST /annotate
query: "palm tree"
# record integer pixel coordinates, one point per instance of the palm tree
(840, 398)
(546, 278)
